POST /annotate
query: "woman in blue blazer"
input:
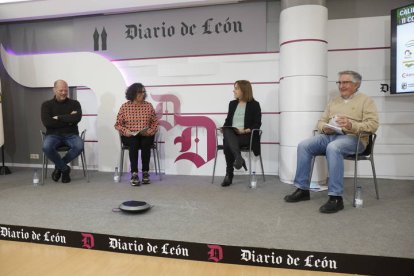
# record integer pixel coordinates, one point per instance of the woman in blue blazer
(243, 116)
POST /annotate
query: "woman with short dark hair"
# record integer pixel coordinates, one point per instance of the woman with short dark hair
(137, 124)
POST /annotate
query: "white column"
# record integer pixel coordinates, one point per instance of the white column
(303, 81)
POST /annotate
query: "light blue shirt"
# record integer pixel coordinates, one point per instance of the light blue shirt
(238, 117)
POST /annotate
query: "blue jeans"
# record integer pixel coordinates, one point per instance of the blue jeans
(52, 142)
(335, 148)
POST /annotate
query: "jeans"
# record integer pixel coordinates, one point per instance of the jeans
(335, 148)
(52, 142)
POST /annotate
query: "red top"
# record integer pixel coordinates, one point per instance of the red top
(133, 117)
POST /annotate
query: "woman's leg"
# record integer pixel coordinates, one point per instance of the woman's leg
(145, 144)
(133, 144)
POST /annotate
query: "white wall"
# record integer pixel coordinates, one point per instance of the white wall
(204, 87)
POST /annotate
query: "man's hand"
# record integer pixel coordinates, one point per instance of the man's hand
(327, 130)
(344, 122)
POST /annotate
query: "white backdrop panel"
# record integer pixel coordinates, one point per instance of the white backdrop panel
(359, 32)
(303, 22)
(202, 70)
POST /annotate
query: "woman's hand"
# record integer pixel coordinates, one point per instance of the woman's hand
(242, 130)
(128, 133)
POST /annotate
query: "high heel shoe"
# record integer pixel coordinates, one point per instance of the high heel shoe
(239, 163)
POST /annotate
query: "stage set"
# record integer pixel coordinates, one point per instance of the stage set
(192, 219)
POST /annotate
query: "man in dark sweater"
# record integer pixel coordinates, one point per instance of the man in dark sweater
(61, 116)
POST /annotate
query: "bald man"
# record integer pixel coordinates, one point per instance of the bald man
(61, 116)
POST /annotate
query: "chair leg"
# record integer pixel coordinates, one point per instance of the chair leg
(355, 180)
(250, 167)
(375, 176)
(44, 170)
(261, 164)
(121, 163)
(159, 164)
(155, 161)
(214, 168)
(84, 166)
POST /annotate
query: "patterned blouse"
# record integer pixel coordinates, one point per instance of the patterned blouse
(132, 117)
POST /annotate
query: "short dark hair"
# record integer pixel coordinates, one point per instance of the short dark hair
(132, 91)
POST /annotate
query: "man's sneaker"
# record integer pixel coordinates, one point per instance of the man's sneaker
(66, 175)
(145, 178)
(56, 174)
(135, 179)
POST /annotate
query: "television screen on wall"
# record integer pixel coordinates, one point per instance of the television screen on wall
(402, 50)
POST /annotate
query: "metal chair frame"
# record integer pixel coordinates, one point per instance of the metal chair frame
(242, 149)
(64, 149)
(367, 154)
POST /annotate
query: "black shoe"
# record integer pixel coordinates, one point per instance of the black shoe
(145, 178)
(333, 205)
(228, 179)
(56, 174)
(66, 176)
(239, 163)
(298, 195)
(135, 179)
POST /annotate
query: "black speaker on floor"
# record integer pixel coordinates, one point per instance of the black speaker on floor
(133, 206)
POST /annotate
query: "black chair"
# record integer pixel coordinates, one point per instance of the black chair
(367, 154)
(155, 152)
(64, 149)
(242, 149)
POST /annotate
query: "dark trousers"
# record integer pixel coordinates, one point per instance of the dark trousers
(136, 143)
(232, 143)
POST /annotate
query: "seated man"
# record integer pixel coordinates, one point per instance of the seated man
(350, 113)
(61, 116)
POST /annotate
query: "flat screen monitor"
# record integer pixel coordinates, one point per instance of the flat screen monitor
(402, 50)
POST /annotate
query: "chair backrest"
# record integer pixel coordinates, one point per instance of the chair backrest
(369, 149)
(249, 147)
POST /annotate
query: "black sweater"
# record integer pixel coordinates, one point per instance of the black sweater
(66, 123)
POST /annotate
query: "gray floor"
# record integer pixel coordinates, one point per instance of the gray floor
(190, 208)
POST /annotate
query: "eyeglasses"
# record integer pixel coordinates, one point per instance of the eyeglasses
(344, 82)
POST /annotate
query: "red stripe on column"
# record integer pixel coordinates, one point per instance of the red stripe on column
(303, 40)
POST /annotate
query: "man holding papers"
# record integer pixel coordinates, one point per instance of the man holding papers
(344, 118)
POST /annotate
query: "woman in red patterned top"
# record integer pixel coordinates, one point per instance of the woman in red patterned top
(137, 124)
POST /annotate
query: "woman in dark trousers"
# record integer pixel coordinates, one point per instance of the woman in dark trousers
(137, 124)
(243, 116)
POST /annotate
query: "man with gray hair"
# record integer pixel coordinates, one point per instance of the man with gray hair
(345, 116)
